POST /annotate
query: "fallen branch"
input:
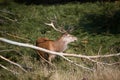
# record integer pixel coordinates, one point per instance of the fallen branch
(92, 57)
(61, 54)
(13, 63)
(76, 63)
(8, 69)
(56, 53)
(42, 49)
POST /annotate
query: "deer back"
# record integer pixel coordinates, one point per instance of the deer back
(46, 44)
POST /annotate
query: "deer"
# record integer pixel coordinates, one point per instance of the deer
(58, 45)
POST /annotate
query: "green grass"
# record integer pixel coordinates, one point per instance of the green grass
(27, 21)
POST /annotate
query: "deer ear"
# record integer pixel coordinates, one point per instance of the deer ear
(66, 33)
(70, 29)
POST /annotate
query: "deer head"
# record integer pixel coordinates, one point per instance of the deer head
(65, 39)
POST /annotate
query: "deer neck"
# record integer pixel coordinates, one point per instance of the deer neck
(60, 45)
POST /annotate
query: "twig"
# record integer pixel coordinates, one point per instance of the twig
(98, 59)
(116, 63)
(13, 63)
(8, 69)
(76, 63)
(9, 19)
(98, 62)
(9, 50)
(15, 36)
(7, 12)
(99, 50)
(18, 37)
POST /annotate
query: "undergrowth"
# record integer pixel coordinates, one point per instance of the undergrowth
(95, 24)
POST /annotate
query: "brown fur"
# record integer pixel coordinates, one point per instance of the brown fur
(58, 45)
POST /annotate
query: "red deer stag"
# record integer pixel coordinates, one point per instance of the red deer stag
(58, 45)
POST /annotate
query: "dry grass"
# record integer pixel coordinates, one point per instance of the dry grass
(106, 73)
(69, 72)
(63, 71)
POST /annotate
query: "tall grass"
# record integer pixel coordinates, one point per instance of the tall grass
(27, 21)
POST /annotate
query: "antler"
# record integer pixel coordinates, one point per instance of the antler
(53, 26)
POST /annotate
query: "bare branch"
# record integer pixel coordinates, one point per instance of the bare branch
(18, 37)
(38, 48)
(76, 63)
(104, 56)
(95, 61)
(29, 46)
(7, 50)
(8, 69)
(13, 63)
(116, 63)
(11, 35)
(61, 54)
(92, 57)
(99, 50)
(56, 53)
(8, 12)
